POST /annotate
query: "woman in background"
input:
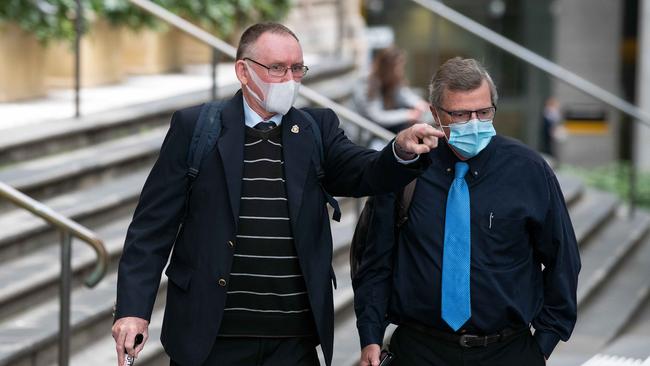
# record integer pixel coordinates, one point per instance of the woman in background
(384, 96)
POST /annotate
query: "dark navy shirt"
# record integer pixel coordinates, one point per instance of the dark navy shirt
(524, 255)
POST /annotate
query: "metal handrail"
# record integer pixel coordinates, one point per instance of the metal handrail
(68, 229)
(230, 51)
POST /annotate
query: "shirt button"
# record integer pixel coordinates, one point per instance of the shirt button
(231, 243)
(222, 282)
(448, 170)
(475, 172)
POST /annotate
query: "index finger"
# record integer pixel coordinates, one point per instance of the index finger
(119, 347)
(429, 131)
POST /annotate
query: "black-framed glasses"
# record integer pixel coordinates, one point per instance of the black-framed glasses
(483, 115)
(280, 70)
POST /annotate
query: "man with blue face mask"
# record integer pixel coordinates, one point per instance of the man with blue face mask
(484, 271)
(250, 275)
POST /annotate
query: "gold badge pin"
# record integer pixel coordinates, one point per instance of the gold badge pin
(295, 129)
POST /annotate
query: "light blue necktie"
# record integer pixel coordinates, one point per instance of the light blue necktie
(456, 307)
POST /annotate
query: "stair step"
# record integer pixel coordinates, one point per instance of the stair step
(634, 340)
(590, 211)
(606, 251)
(33, 278)
(68, 171)
(23, 232)
(619, 298)
(572, 188)
(33, 334)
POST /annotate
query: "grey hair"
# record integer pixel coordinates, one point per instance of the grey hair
(252, 33)
(458, 74)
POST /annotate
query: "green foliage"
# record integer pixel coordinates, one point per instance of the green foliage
(55, 19)
(52, 19)
(224, 17)
(614, 178)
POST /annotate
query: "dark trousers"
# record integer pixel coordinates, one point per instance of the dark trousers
(244, 351)
(412, 347)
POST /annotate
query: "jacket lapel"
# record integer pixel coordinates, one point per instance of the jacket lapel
(231, 149)
(297, 147)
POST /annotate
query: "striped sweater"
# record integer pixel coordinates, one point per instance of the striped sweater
(267, 296)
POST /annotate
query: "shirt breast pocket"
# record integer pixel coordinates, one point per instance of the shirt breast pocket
(503, 243)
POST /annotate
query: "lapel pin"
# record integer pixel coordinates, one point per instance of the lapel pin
(295, 129)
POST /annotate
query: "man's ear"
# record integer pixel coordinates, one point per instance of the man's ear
(434, 113)
(241, 72)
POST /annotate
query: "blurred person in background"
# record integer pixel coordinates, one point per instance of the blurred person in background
(552, 129)
(384, 96)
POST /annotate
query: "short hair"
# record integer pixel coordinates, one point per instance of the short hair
(252, 33)
(458, 74)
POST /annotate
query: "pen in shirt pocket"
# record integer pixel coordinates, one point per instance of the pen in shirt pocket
(491, 217)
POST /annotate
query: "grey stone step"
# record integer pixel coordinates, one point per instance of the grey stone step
(22, 232)
(572, 188)
(601, 257)
(33, 334)
(34, 278)
(619, 298)
(634, 340)
(44, 177)
(590, 212)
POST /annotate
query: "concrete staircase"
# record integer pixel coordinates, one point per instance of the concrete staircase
(92, 170)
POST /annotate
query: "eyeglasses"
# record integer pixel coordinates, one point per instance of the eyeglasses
(280, 70)
(483, 115)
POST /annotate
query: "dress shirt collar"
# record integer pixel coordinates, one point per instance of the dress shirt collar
(447, 159)
(251, 118)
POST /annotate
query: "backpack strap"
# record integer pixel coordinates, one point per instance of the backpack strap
(318, 163)
(206, 132)
(204, 137)
(403, 203)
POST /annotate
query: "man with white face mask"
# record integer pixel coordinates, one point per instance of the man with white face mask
(487, 252)
(250, 276)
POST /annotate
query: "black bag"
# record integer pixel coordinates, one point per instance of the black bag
(207, 131)
(360, 237)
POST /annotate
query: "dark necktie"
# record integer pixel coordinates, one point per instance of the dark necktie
(456, 305)
(265, 126)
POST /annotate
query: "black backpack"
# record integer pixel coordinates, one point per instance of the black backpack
(360, 237)
(208, 129)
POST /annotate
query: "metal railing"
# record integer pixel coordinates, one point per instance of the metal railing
(549, 67)
(68, 229)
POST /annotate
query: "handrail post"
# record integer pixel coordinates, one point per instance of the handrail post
(215, 63)
(632, 181)
(64, 297)
(77, 58)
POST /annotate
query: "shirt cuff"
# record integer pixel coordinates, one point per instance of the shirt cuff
(370, 334)
(546, 341)
(402, 161)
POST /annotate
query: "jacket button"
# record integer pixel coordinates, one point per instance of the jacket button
(222, 282)
(231, 243)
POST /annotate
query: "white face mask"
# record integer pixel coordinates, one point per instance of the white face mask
(276, 97)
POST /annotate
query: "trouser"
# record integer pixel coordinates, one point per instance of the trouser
(255, 351)
(414, 347)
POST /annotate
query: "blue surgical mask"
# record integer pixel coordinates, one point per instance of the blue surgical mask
(468, 139)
